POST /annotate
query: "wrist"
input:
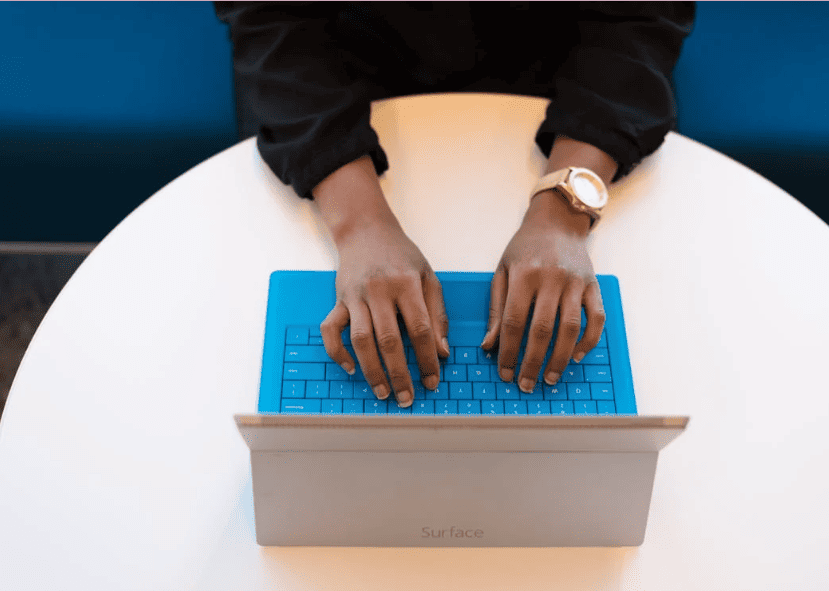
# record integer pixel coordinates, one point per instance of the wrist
(351, 201)
(552, 211)
(569, 152)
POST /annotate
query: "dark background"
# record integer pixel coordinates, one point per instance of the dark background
(103, 103)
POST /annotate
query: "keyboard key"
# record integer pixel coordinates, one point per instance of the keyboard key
(465, 336)
(469, 407)
(341, 389)
(446, 407)
(466, 355)
(414, 371)
(304, 371)
(316, 389)
(395, 409)
(454, 373)
(492, 407)
(578, 391)
(487, 357)
(597, 373)
(494, 376)
(375, 406)
(293, 389)
(332, 406)
(556, 392)
(314, 331)
(601, 391)
(352, 407)
(515, 407)
(602, 339)
(306, 353)
(585, 407)
(597, 356)
(423, 407)
(478, 373)
(315, 341)
(572, 373)
(561, 408)
(364, 391)
(605, 407)
(460, 390)
(536, 394)
(335, 372)
(506, 391)
(296, 335)
(358, 372)
(301, 405)
(538, 408)
(439, 393)
(483, 391)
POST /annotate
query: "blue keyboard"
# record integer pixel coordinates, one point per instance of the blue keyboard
(299, 377)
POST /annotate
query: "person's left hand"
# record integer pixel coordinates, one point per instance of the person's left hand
(545, 264)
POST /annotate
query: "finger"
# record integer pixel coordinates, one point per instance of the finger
(362, 339)
(418, 324)
(497, 296)
(540, 334)
(569, 325)
(331, 330)
(513, 321)
(433, 294)
(594, 309)
(390, 345)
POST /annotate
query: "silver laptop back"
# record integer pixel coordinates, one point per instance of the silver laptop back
(453, 481)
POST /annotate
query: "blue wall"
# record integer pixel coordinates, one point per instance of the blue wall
(103, 103)
(753, 83)
(129, 64)
(756, 70)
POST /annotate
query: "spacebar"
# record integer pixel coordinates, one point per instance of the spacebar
(301, 405)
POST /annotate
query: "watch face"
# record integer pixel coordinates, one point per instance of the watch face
(588, 189)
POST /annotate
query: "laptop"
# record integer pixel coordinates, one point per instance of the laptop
(476, 462)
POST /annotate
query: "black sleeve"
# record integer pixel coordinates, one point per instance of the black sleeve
(313, 117)
(614, 90)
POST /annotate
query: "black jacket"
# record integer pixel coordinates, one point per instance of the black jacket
(306, 72)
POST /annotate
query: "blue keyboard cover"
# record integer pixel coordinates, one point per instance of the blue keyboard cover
(303, 379)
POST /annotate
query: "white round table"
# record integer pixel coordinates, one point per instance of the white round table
(121, 466)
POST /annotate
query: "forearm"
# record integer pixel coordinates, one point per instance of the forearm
(350, 199)
(569, 152)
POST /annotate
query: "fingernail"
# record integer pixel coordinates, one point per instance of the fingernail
(551, 378)
(445, 343)
(578, 357)
(381, 392)
(506, 374)
(404, 398)
(349, 369)
(526, 384)
(431, 382)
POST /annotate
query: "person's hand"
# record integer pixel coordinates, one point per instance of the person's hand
(546, 265)
(381, 273)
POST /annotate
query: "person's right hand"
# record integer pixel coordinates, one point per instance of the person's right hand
(381, 273)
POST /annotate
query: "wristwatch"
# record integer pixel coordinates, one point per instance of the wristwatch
(583, 189)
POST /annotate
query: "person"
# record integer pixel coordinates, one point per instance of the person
(305, 76)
